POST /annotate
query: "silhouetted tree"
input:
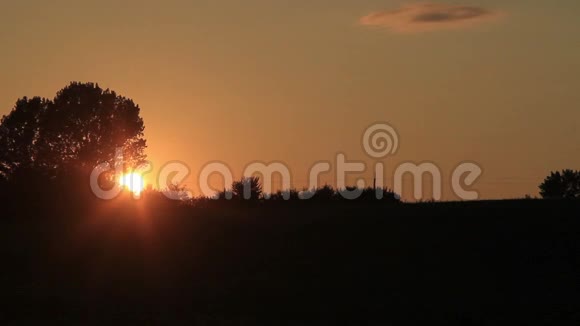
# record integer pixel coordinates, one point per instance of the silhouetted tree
(565, 184)
(19, 133)
(247, 188)
(81, 128)
(325, 193)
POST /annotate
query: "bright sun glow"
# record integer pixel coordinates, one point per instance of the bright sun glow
(133, 182)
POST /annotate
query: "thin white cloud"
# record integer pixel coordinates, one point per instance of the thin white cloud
(425, 17)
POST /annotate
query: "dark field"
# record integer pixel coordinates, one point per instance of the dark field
(306, 263)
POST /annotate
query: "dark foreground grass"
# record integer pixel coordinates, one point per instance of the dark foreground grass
(147, 262)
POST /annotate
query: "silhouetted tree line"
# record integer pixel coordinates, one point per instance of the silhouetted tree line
(250, 189)
(46, 143)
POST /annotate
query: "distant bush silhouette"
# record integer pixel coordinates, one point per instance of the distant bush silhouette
(249, 188)
(253, 187)
(328, 193)
(291, 194)
(384, 194)
(177, 192)
(77, 130)
(565, 184)
(325, 193)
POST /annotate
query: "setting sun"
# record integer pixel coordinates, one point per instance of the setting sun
(384, 162)
(133, 182)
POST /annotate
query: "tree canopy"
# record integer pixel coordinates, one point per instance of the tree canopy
(77, 130)
(565, 184)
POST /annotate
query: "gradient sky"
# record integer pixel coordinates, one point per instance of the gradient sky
(298, 81)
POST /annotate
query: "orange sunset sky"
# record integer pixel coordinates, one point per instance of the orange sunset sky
(494, 82)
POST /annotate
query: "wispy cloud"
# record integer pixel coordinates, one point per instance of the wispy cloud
(425, 17)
